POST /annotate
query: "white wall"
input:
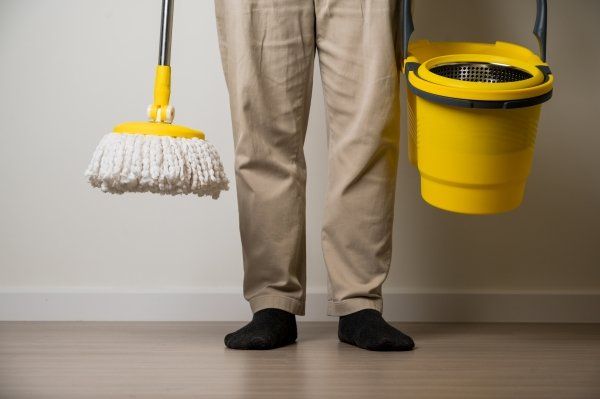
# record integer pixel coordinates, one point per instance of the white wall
(72, 69)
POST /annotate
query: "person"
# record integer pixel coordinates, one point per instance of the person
(267, 51)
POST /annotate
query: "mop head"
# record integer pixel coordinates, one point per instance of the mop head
(156, 164)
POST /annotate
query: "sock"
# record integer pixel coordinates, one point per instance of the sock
(269, 329)
(367, 330)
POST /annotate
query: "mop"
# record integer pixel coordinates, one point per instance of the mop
(157, 156)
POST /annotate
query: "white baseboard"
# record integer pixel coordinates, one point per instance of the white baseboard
(228, 304)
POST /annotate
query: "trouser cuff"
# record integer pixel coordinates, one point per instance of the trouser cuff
(278, 302)
(351, 305)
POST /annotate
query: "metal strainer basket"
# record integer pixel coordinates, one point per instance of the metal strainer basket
(481, 72)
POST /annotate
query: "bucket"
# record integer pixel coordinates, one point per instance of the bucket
(473, 112)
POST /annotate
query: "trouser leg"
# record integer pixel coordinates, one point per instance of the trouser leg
(267, 50)
(357, 42)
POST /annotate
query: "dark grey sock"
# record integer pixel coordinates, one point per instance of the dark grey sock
(269, 329)
(367, 329)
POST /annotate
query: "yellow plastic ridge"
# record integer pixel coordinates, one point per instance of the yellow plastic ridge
(159, 129)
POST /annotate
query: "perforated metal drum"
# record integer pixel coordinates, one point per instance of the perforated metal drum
(481, 72)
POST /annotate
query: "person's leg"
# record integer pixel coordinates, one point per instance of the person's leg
(267, 51)
(357, 43)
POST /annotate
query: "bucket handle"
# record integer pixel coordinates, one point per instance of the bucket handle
(539, 30)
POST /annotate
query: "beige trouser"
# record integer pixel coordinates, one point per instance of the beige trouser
(267, 50)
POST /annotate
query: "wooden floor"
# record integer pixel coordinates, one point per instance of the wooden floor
(188, 360)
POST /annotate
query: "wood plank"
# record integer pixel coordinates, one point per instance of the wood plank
(188, 360)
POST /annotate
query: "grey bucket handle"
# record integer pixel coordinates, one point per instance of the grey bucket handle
(539, 30)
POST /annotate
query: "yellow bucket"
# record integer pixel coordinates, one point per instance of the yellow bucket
(473, 111)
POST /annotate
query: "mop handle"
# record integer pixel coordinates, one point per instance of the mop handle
(160, 110)
(166, 27)
(539, 30)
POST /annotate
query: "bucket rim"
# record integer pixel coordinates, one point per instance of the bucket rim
(537, 76)
(469, 98)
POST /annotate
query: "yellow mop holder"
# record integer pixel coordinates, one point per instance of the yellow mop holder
(160, 113)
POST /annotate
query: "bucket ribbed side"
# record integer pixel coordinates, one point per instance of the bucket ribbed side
(476, 131)
(411, 118)
(474, 160)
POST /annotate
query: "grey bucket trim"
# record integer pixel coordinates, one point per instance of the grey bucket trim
(482, 104)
